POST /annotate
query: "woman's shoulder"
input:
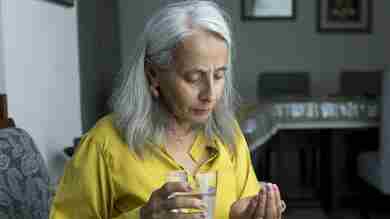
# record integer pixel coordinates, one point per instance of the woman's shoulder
(104, 141)
(238, 135)
(105, 138)
(240, 144)
(235, 145)
(104, 131)
(104, 126)
(105, 123)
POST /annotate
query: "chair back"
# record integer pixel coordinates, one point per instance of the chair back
(360, 82)
(282, 84)
(24, 178)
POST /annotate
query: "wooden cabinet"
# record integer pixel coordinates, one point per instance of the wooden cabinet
(314, 167)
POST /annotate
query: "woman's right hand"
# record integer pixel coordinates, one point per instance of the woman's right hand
(161, 205)
(266, 205)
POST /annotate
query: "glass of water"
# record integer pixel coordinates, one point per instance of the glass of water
(177, 176)
(203, 184)
(207, 186)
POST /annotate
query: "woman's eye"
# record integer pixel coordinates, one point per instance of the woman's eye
(219, 75)
(194, 77)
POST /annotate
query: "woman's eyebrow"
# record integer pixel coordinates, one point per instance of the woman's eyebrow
(222, 68)
(195, 69)
(203, 70)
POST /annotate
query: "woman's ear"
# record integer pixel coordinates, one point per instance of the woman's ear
(154, 83)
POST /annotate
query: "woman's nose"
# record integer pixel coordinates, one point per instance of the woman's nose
(207, 93)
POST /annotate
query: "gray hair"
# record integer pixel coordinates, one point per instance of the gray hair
(138, 116)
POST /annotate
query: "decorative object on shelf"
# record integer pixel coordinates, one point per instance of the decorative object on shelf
(344, 16)
(310, 112)
(268, 9)
(68, 3)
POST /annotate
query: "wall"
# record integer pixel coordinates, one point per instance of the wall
(40, 56)
(2, 73)
(283, 45)
(99, 56)
(39, 61)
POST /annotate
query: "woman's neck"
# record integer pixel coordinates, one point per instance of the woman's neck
(179, 133)
(178, 126)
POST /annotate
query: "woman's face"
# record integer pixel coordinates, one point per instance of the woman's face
(193, 88)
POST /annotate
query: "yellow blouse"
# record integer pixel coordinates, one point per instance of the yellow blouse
(105, 179)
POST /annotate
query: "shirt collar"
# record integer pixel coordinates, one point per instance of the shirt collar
(203, 147)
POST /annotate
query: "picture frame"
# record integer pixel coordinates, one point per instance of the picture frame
(268, 9)
(344, 16)
(68, 3)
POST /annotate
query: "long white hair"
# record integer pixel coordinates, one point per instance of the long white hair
(138, 116)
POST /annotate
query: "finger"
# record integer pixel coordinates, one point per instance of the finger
(278, 202)
(171, 187)
(184, 202)
(244, 207)
(270, 211)
(251, 207)
(189, 194)
(261, 203)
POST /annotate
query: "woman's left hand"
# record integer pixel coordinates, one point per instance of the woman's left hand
(266, 205)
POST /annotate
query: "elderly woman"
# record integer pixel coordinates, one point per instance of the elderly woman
(173, 112)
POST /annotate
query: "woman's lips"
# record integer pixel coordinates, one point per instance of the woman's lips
(201, 111)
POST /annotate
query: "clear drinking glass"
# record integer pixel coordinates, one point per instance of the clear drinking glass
(203, 185)
(207, 185)
(177, 176)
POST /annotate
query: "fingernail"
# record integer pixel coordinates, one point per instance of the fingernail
(269, 187)
(203, 205)
(262, 185)
(275, 187)
(262, 190)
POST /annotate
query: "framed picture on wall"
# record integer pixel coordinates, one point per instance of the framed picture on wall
(344, 16)
(268, 9)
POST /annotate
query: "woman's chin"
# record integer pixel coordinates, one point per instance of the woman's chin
(200, 119)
